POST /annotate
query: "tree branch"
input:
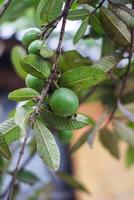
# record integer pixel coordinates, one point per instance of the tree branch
(4, 7)
(43, 94)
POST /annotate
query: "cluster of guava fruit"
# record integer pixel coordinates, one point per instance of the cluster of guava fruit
(62, 101)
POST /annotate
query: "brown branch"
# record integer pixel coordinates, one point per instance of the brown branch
(47, 29)
(43, 94)
(4, 7)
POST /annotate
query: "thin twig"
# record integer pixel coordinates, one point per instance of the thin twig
(4, 7)
(99, 6)
(43, 94)
(47, 29)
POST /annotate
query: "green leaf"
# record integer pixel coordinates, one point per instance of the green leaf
(110, 142)
(107, 63)
(71, 181)
(48, 10)
(130, 156)
(96, 24)
(115, 28)
(69, 123)
(4, 149)
(22, 116)
(23, 94)
(15, 10)
(79, 14)
(26, 176)
(81, 31)
(10, 130)
(17, 54)
(124, 13)
(121, 1)
(82, 78)
(80, 142)
(36, 66)
(46, 145)
(124, 132)
(72, 59)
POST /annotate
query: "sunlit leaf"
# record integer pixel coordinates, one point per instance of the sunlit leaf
(46, 145)
(23, 94)
(70, 123)
(10, 130)
(4, 149)
(82, 78)
(36, 66)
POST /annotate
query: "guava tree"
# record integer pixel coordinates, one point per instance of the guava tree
(57, 82)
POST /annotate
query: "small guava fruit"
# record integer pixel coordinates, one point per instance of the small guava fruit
(35, 47)
(30, 35)
(65, 136)
(40, 48)
(34, 83)
(64, 102)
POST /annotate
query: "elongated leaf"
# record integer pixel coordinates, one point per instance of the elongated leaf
(125, 133)
(48, 10)
(46, 145)
(106, 63)
(16, 55)
(4, 149)
(81, 31)
(10, 130)
(70, 123)
(82, 78)
(15, 10)
(124, 13)
(26, 176)
(121, 1)
(23, 94)
(129, 156)
(72, 59)
(35, 66)
(80, 142)
(110, 142)
(115, 28)
(71, 181)
(79, 14)
(22, 116)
